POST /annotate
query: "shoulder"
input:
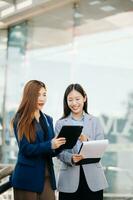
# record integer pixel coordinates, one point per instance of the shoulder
(61, 121)
(48, 118)
(93, 118)
(90, 116)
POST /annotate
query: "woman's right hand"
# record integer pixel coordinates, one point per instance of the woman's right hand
(57, 142)
(76, 158)
(83, 138)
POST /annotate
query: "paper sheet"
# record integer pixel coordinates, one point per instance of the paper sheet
(94, 149)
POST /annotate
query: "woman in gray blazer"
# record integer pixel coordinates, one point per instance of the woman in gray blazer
(85, 180)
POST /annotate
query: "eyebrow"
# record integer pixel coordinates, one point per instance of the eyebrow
(42, 93)
(74, 97)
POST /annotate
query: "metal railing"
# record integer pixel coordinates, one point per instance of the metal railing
(5, 170)
(116, 196)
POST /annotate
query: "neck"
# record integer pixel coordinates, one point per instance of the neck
(77, 115)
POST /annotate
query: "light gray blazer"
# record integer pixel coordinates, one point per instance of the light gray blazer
(68, 179)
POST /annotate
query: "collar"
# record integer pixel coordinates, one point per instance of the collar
(80, 119)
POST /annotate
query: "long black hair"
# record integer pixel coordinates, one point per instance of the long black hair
(79, 89)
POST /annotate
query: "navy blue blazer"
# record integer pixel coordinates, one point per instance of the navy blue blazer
(29, 172)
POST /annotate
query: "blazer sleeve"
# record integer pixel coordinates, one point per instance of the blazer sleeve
(66, 155)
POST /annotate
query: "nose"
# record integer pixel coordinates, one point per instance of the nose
(41, 98)
(74, 102)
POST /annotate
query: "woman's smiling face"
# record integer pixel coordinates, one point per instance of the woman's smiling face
(42, 97)
(75, 102)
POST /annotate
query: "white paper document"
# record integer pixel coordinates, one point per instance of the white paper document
(94, 148)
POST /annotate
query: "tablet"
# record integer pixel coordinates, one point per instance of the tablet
(71, 133)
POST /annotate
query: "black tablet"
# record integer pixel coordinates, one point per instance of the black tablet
(71, 133)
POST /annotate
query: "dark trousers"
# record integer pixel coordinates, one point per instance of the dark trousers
(83, 192)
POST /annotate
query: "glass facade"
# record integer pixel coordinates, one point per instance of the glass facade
(3, 73)
(90, 43)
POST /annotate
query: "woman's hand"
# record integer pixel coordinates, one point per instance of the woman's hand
(57, 142)
(76, 158)
(83, 138)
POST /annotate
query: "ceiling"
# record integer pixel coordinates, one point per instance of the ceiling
(15, 11)
(57, 21)
(82, 13)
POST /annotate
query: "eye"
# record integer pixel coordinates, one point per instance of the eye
(69, 99)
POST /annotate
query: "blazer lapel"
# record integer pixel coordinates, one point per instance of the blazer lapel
(87, 129)
(46, 126)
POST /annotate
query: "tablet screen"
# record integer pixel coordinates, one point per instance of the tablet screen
(71, 133)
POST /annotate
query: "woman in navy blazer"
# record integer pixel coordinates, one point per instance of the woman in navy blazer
(33, 176)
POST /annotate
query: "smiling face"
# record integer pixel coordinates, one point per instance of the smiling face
(42, 97)
(75, 102)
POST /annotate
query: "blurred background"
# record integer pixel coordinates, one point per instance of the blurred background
(72, 41)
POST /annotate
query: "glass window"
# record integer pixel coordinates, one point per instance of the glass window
(90, 42)
(3, 72)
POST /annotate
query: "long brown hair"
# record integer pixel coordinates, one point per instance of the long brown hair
(27, 107)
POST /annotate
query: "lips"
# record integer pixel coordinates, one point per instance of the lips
(75, 108)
